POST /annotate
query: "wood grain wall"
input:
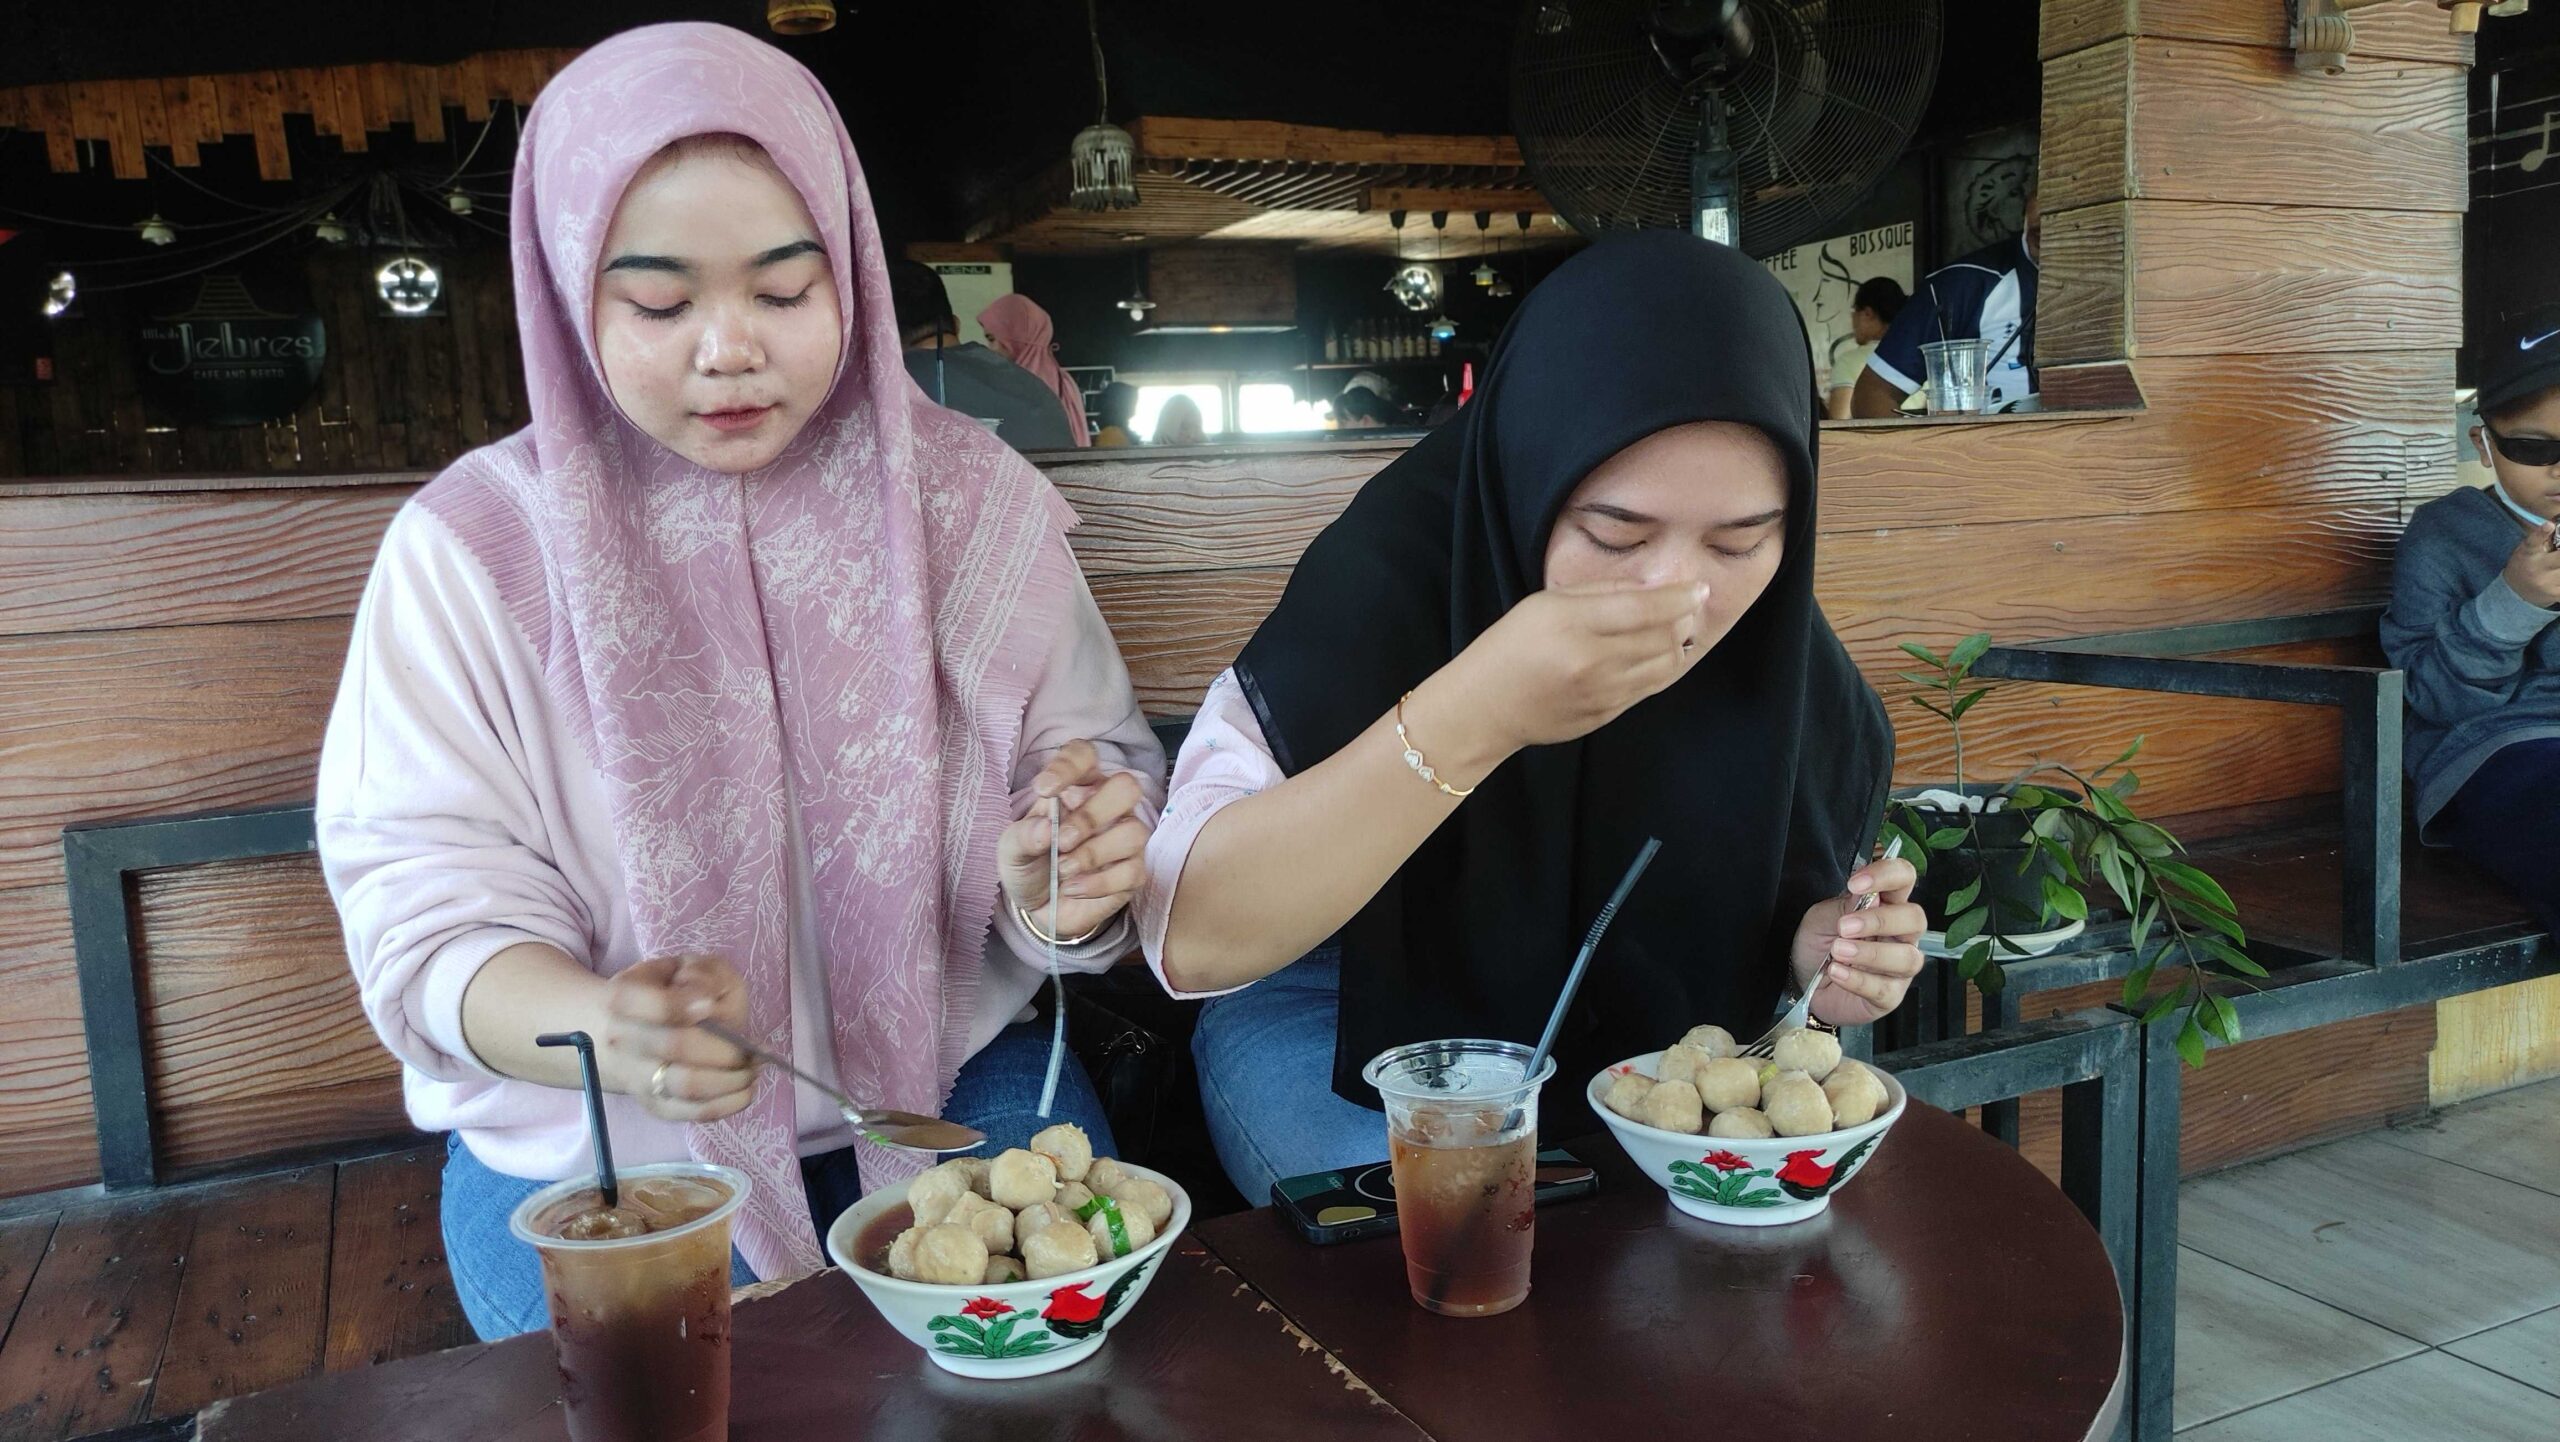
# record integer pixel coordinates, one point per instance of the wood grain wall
(395, 392)
(166, 645)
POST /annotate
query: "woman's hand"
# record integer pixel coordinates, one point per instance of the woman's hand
(1102, 844)
(1871, 955)
(652, 1049)
(1560, 665)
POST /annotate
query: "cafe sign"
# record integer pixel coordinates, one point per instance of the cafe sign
(226, 360)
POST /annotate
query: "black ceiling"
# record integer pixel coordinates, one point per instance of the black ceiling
(950, 99)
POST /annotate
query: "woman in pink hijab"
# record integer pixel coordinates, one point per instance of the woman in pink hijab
(736, 686)
(1017, 326)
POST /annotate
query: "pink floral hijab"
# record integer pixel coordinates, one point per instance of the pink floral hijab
(854, 628)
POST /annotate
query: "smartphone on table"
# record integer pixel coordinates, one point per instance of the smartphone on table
(1350, 1203)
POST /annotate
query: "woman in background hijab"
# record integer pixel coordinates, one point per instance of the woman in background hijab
(1017, 326)
(1588, 602)
(734, 687)
(1179, 423)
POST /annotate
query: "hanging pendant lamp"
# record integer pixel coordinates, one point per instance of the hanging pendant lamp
(1103, 159)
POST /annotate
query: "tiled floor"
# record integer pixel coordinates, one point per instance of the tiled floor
(2402, 1286)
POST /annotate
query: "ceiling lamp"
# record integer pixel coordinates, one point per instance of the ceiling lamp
(1137, 306)
(1103, 159)
(330, 229)
(1501, 289)
(1416, 287)
(59, 292)
(409, 286)
(799, 17)
(157, 231)
(457, 201)
(1443, 329)
(1484, 273)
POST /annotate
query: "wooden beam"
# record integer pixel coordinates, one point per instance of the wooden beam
(1161, 137)
(2385, 29)
(1461, 203)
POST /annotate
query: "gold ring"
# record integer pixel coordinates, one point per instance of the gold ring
(658, 1081)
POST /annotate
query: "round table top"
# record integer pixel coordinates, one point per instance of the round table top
(1949, 1280)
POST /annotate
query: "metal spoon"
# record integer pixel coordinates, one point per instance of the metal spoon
(1800, 1016)
(906, 1131)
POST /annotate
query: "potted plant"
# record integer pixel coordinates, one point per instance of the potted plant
(2011, 859)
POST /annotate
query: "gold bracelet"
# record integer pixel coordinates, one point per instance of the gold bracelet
(1413, 757)
(1041, 935)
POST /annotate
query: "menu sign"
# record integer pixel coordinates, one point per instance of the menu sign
(224, 360)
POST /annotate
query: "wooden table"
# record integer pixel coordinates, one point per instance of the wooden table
(1950, 1292)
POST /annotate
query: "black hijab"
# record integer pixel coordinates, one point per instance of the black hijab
(1762, 771)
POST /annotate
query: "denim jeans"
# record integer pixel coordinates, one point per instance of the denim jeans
(2503, 819)
(1266, 1079)
(499, 1279)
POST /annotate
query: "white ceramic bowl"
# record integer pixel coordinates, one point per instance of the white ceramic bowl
(1742, 1181)
(1011, 1329)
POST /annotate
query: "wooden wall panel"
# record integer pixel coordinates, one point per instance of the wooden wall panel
(2493, 1040)
(2084, 304)
(1144, 515)
(2385, 29)
(255, 1039)
(2252, 279)
(48, 1133)
(156, 723)
(108, 561)
(2156, 119)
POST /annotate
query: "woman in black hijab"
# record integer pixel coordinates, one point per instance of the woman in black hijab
(1578, 616)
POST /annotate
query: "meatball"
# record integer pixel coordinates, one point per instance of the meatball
(1673, 1106)
(1073, 1195)
(1729, 1082)
(1795, 1105)
(1742, 1123)
(930, 1195)
(1067, 1147)
(1047, 1214)
(1681, 1064)
(1857, 1094)
(952, 1256)
(1057, 1249)
(1812, 1052)
(1715, 1041)
(993, 1224)
(902, 1255)
(1103, 1172)
(1132, 1221)
(1136, 1194)
(1626, 1094)
(975, 1168)
(1022, 1179)
(1003, 1269)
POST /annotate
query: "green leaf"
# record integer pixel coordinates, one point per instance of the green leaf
(2219, 922)
(2048, 824)
(1945, 837)
(2191, 1041)
(2061, 899)
(2129, 753)
(1970, 649)
(2109, 806)
(2138, 981)
(1937, 711)
(2231, 956)
(2149, 840)
(1934, 683)
(1922, 653)
(1991, 980)
(1965, 927)
(1965, 896)
(2219, 1018)
(1965, 702)
(2125, 785)
(2195, 883)
(2145, 915)
(2167, 1003)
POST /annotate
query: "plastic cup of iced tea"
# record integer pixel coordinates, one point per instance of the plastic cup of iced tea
(1462, 1142)
(639, 1299)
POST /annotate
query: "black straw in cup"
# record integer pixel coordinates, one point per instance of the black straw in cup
(605, 1183)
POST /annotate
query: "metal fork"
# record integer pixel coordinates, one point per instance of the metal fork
(1800, 1015)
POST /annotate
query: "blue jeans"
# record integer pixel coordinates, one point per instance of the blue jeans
(499, 1279)
(1266, 1079)
(2504, 819)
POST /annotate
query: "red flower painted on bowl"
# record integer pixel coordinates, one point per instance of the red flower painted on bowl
(986, 1308)
(1724, 1161)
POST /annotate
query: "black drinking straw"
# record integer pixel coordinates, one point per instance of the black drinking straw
(595, 1107)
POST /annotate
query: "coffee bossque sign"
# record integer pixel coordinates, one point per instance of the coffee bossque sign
(226, 360)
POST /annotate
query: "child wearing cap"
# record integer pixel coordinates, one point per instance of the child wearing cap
(2472, 598)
